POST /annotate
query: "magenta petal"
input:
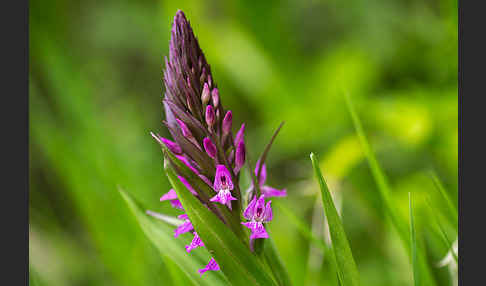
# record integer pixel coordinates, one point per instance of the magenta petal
(188, 186)
(176, 204)
(272, 192)
(183, 216)
(187, 163)
(240, 156)
(257, 229)
(259, 209)
(211, 266)
(196, 242)
(268, 214)
(249, 211)
(172, 146)
(185, 130)
(240, 135)
(259, 232)
(223, 197)
(170, 195)
(183, 228)
(205, 179)
(263, 173)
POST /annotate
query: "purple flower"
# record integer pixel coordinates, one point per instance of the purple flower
(257, 212)
(223, 185)
(209, 147)
(266, 190)
(196, 241)
(212, 265)
(186, 226)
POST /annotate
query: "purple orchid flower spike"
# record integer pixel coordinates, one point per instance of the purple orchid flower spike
(211, 266)
(257, 212)
(266, 190)
(223, 185)
(202, 139)
(186, 226)
(196, 242)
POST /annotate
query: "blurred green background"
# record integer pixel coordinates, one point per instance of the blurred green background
(96, 90)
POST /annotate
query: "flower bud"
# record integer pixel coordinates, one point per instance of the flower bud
(172, 146)
(240, 156)
(185, 130)
(215, 97)
(209, 147)
(240, 135)
(210, 115)
(205, 96)
(227, 121)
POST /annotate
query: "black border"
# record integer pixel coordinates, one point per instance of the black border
(14, 210)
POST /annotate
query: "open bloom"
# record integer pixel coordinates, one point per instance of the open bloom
(186, 226)
(212, 265)
(266, 190)
(223, 185)
(196, 242)
(172, 197)
(257, 212)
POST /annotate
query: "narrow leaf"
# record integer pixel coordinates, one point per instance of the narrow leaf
(344, 258)
(234, 258)
(452, 210)
(275, 263)
(413, 246)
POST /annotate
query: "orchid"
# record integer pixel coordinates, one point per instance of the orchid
(204, 154)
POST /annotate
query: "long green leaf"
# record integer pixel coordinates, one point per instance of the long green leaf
(234, 258)
(413, 241)
(161, 235)
(275, 263)
(344, 258)
(385, 193)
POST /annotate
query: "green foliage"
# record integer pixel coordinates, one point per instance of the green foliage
(347, 270)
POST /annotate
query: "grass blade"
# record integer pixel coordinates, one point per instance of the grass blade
(275, 263)
(344, 258)
(453, 215)
(234, 258)
(161, 235)
(385, 193)
(413, 241)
